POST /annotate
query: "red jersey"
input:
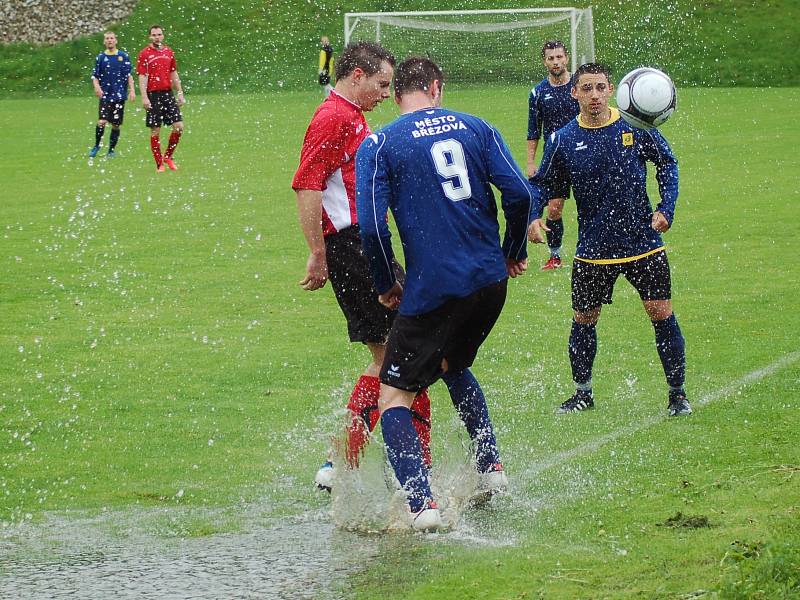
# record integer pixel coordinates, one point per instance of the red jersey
(158, 65)
(327, 160)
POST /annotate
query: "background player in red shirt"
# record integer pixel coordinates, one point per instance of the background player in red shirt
(158, 76)
(325, 187)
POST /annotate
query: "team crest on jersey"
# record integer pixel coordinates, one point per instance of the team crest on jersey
(359, 128)
(627, 138)
(119, 58)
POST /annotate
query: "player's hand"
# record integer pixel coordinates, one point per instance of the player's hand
(146, 102)
(659, 222)
(181, 99)
(516, 268)
(316, 273)
(131, 97)
(535, 229)
(99, 93)
(532, 170)
(391, 298)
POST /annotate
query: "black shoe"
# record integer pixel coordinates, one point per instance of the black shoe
(678, 404)
(581, 400)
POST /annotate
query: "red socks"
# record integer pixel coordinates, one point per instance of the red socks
(155, 148)
(174, 138)
(364, 408)
(421, 413)
(363, 405)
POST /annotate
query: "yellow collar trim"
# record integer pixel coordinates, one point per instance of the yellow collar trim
(114, 53)
(614, 117)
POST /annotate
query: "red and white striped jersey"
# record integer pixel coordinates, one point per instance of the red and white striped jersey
(327, 160)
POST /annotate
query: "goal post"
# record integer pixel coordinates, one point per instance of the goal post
(478, 45)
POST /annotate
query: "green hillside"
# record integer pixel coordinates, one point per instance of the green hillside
(252, 45)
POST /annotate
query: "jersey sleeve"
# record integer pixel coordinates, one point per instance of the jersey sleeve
(517, 195)
(534, 117)
(141, 64)
(322, 153)
(97, 66)
(372, 203)
(656, 149)
(552, 174)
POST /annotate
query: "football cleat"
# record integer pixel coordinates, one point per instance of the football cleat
(493, 481)
(171, 164)
(160, 168)
(678, 404)
(427, 519)
(580, 400)
(111, 154)
(325, 476)
(93, 152)
(553, 263)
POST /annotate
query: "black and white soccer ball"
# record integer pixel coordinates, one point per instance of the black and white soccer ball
(646, 97)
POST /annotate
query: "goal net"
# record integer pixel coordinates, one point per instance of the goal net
(478, 46)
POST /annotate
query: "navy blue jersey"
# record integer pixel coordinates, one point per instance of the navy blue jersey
(606, 168)
(550, 108)
(434, 168)
(112, 71)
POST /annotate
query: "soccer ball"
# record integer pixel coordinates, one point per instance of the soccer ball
(646, 97)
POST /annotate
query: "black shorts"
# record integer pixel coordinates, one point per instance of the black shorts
(453, 331)
(593, 284)
(163, 109)
(113, 112)
(368, 320)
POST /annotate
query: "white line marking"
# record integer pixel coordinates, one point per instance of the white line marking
(597, 443)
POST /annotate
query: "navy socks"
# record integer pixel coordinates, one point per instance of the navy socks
(405, 454)
(555, 235)
(582, 350)
(98, 134)
(469, 401)
(671, 350)
(114, 137)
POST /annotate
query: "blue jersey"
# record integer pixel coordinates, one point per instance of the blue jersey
(550, 108)
(434, 168)
(112, 71)
(606, 168)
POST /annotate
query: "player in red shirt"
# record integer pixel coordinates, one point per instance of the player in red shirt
(158, 76)
(325, 187)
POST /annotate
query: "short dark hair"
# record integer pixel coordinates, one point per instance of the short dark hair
(552, 45)
(367, 56)
(593, 69)
(416, 74)
(149, 31)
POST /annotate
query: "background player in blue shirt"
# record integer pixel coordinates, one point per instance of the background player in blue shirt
(550, 107)
(113, 84)
(433, 168)
(604, 159)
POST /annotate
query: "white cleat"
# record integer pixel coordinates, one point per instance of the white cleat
(325, 476)
(428, 519)
(490, 484)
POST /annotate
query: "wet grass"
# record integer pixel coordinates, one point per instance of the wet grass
(252, 45)
(155, 351)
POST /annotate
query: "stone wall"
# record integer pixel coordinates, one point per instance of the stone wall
(53, 21)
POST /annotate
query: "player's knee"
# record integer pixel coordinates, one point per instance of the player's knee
(588, 317)
(178, 126)
(102, 123)
(554, 210)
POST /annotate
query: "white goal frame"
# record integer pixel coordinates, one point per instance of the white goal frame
(577, 17)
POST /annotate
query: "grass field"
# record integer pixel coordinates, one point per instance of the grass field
(253, 45)
(157, 354)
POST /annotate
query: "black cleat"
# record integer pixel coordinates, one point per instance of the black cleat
(581, 400)
(678, 404)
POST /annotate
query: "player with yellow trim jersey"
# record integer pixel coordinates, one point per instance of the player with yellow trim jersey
(604, 160)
